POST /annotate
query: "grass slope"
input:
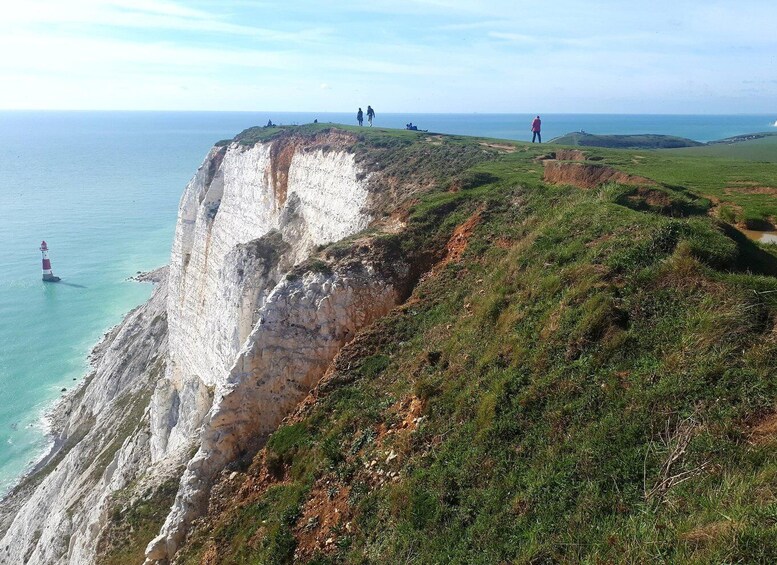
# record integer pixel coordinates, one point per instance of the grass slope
(582, 381)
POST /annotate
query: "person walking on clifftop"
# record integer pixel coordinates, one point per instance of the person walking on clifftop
(370, 114)
(536, 126)
(360, 116)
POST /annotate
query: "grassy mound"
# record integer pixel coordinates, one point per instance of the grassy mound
(584, 377)
(643, 141)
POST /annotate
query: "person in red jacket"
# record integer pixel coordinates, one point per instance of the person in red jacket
(536, 126)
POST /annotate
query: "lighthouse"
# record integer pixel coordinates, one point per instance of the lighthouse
(48, 276)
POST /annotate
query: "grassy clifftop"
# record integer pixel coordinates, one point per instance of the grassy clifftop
(754, 147)
(584, 375)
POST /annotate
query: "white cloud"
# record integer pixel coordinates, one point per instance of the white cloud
(142, 14)
(437, 54)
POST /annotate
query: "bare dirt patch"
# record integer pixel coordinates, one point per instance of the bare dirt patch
(458, 241)
(654, 198)
(325, 514)
(600, 240)
(396, 221)
(233, 491)
(414, 407)
(502, 147)
(588, 176)
(708, 533)
(563, 155)
(764, 432)
(751, 189)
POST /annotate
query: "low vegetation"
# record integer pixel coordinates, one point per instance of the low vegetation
(587, 377)
(133, 524)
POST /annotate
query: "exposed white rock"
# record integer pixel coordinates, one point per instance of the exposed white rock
(302, 326)
(229, 309)
(216, 284)
(219, 355)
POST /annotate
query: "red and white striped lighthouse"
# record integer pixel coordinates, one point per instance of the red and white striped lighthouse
(48, 276)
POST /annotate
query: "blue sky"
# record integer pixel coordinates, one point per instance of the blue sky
(518, 56)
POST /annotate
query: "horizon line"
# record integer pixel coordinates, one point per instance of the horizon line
(128, 111)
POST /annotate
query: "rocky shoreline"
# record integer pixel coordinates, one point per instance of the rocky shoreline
(56, 420)
(152, 276)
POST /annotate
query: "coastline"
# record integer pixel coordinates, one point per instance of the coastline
(153, 276)
(54, 420)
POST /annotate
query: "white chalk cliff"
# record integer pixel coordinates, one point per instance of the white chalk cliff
(234, 337)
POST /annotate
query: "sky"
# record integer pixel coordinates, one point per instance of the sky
(512, 56)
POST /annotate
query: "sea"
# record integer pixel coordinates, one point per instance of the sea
(102, 188)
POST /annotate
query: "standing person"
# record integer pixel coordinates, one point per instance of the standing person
(370, 114)
(360, 116)
(536, 126)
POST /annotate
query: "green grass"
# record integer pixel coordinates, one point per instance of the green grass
(259, 534)
(587, 374)
(761, 149)
(732, 182)
(132, 526)
(258, 134)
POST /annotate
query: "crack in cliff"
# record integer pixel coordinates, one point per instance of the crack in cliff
(281, 154)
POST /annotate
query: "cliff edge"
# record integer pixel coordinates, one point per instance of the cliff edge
(378, 346)
(243, 325)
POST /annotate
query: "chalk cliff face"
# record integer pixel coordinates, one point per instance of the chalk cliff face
(246, 343)
(238, 333)
(244, 220)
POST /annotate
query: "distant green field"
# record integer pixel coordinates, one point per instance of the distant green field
(741, 177)
(643, 141)
(763, 149)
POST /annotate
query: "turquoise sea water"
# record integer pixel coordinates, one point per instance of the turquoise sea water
(102, 189)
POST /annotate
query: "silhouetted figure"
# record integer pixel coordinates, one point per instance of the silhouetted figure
(360, 116)
(315, 121)
(269, 124)
(536, 126)
(411, 127)
(370, 114)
